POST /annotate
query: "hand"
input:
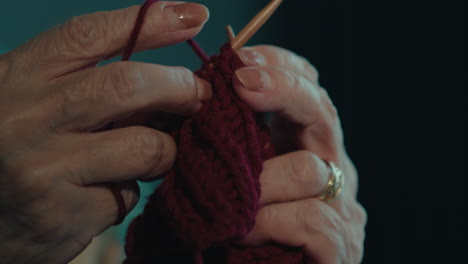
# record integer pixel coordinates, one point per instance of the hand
(54, 164)
(306, 130)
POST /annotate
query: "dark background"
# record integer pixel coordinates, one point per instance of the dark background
(396, 71)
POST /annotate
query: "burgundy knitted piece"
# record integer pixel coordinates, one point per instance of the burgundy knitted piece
(209, 199)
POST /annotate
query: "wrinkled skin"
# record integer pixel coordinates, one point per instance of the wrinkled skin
(54, 166)
(56, 162)
(306, 131)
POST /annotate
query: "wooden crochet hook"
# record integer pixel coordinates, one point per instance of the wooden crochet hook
(254, 25)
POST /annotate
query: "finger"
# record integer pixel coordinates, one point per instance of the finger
(292, 177)
(122, 155)
(88, 39)
(104, 94)
(303, 111)
(138, 119)
(104, 204)
(129, 192)
(264, 55)
(273, 89)
(309, 224)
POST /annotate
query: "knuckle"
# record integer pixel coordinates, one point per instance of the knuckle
(299, 84)
(75, 99)
(314, 75)
(304, 169)
(282, 55)
(276, 55)
(270, 53)
(328, 220)
(189, 81)
(292, 80)
(164, 20)
(83, 32)
(286, 57)
(327, 102)
(360, 214)
(122, 83)
(308, 217)
(149, 147)
(302, 64)
(267, 217)
(266, 49)
(319, 218)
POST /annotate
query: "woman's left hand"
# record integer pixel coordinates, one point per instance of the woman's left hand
(306, 132)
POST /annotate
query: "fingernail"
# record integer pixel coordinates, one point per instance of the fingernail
(190, 15)
(253, 79)
(250, 57)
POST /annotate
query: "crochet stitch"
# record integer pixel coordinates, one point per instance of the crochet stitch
(209, 199)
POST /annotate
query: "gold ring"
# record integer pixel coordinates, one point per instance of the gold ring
(334, 185)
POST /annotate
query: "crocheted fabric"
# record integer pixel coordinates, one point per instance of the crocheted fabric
(209, 199)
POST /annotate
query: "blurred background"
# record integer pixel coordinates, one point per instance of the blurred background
(397, 72)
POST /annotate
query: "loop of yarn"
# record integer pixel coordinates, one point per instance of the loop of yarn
(136, 29)
(209, 199)
(121, 207)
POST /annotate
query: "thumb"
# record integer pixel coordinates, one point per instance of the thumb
(86, 40)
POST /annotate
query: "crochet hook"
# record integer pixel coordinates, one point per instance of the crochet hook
(255, 24)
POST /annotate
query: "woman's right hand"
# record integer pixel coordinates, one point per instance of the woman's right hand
(54, 167)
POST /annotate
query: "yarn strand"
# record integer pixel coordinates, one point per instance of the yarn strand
(136, 29)
(210, 198)
(198, 50)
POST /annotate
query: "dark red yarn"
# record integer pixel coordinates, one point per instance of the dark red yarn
(209, 199)
(116, 192)
(122, 209)
(136, 29)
